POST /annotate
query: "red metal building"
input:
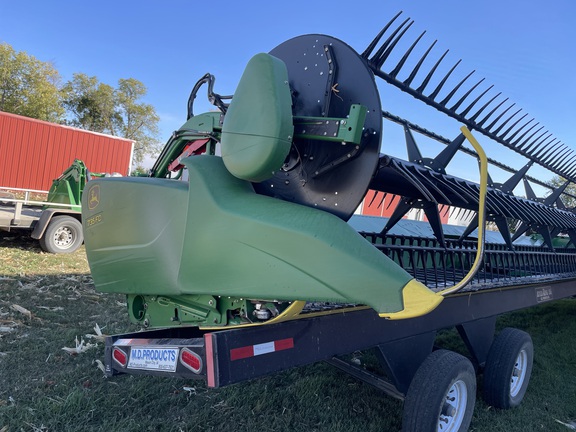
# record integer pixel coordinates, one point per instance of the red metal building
(380, 204)
(35, 152)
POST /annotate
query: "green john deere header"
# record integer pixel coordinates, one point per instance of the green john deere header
(201, 243)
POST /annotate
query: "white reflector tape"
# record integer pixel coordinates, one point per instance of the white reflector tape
(264, 348)
(260, 349)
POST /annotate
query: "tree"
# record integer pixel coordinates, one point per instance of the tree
(140, 121)
(569, 195)
(99, 107)
(90, 104)
(28, 86)
(140, 171)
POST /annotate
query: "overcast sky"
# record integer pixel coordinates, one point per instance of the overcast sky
(525, 48)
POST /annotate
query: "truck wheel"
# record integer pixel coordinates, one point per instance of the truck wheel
(63, 235)
(508, 368)
(442, 395)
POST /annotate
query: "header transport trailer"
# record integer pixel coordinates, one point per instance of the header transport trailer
(243, 264)
(40, 191)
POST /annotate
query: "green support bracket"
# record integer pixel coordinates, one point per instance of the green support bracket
(347, 130)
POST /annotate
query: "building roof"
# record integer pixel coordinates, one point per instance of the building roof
(413, 228)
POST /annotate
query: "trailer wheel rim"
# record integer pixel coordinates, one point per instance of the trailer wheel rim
(518, 373)
(63, 237)
(454, 408)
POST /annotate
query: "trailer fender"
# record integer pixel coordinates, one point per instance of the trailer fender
(46, 217)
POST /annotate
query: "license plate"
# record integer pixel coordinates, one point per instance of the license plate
(160, 359)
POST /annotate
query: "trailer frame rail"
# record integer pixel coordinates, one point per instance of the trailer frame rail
(231, 356)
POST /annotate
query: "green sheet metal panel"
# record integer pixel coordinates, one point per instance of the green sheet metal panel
(133, 231)
(257, 131)
(219, 237)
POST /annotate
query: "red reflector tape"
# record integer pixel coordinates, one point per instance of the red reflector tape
(259, 349)
(240, 353)
(210, 372)
(284, 344)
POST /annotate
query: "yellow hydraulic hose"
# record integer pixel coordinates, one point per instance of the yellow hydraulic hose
(481, 214)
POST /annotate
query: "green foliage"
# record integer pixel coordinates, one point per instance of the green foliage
(512, 225)
(96, 106)
(568, 200)
(90, 104)
(140, 121)
(32, 88)
(139, 171)
(28, 86)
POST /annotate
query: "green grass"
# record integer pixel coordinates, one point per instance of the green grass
(42, 388)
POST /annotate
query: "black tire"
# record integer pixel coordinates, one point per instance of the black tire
(63, 235)
(442, 395)
(508, 369)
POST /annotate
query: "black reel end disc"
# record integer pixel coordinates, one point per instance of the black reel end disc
(326, 77)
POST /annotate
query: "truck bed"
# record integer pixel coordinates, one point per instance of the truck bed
(28, 217)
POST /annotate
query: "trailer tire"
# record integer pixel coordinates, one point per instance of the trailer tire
(442, 395)
(63, 235)
(508, 369)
